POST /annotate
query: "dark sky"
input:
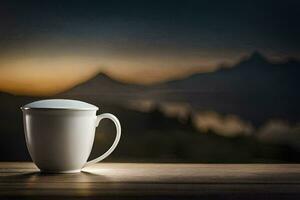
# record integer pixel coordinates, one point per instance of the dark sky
(173, 25)
(127, 36)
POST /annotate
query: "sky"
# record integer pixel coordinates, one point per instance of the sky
(49, 46)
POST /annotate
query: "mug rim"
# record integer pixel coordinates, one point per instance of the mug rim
(59, 104)
(24, 108)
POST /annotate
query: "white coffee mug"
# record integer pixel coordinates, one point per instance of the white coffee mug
(60, 134)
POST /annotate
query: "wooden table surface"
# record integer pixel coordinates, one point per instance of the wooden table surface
(154, 181)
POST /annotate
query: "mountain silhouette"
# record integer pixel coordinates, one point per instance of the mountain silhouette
(102, 88)
(99, 84)
(255, 89)
(252, 73)
(256, 57)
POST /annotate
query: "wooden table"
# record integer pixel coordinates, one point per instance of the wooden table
(154, 181)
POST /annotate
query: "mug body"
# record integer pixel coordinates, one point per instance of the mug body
(59, 141)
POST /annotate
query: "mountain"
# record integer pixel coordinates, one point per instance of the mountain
(255, 70)
(102, 88)
(254, 89)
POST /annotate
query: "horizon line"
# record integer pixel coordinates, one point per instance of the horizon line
(193, 71)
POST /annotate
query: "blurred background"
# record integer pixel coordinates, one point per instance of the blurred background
(190, 81)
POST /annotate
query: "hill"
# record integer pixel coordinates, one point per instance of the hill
(102, 88)
(254, 89)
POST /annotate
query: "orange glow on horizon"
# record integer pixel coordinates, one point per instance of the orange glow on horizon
(48, 76)
(44, 76)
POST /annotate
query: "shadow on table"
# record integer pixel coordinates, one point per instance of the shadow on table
(37, 176)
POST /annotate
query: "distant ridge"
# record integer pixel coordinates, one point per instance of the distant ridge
(102, 88)
(256, 56)
(254, 88)
(103, 76)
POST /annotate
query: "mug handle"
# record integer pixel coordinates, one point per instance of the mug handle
(115, 143)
